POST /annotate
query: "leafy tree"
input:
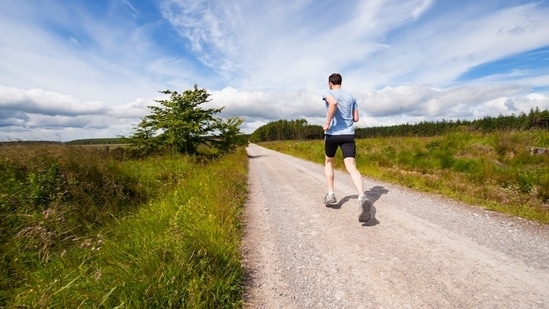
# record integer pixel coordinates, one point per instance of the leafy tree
(181, 124)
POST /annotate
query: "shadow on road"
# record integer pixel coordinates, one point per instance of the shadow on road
(373, 195)
(254, 157)
(342, 201)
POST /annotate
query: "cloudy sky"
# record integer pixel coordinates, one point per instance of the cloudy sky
(83, 69)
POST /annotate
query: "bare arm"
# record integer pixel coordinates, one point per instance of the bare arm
(355, 115)
(332, 107)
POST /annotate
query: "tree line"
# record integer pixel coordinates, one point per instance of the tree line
(301, 130)
(97, 141)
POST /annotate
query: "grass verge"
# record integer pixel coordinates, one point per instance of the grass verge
(180, 249)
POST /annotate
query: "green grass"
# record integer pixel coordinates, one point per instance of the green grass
(178, 247)
(494, 170)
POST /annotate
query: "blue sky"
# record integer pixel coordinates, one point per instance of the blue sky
(83, 69)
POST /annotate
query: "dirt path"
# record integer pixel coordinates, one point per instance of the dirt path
(421, 252)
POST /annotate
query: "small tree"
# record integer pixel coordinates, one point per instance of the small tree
(180, 123)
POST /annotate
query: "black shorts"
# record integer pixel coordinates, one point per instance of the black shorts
(346, 142)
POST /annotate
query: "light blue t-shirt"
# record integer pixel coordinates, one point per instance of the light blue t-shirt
(342, 123)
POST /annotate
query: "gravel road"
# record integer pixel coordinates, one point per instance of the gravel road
(421, 251)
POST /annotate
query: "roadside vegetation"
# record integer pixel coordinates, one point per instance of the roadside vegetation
(152, 224)
(86, 228)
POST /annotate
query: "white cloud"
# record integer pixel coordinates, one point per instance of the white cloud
(63, 65)
(424, 6)
(266, 105)
(441, 49)
(42, 113)
(38, 101)
(469, 102)
(208, 27)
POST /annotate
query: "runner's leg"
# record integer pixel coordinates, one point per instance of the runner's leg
(329, 170)
(350, 165)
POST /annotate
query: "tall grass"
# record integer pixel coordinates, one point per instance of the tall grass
(496, 170)
(51, 198)
(176, 248)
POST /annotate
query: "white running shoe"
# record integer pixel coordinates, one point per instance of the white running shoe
(330, 199)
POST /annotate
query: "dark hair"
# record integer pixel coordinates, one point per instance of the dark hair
(335, 79)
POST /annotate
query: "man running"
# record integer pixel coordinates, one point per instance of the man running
(342, 113)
